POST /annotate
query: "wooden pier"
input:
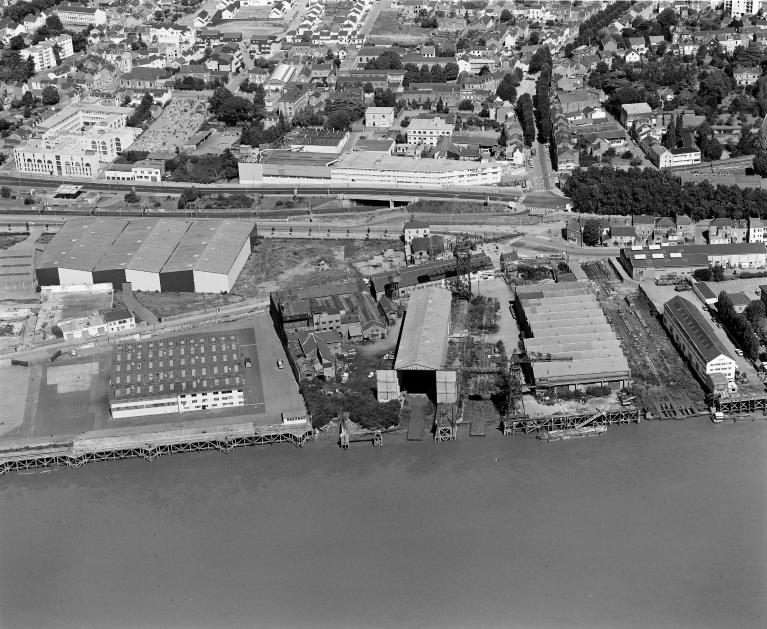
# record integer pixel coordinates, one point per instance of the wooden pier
(95, 446)
(528, 425)
(347, 437)
(445, 422)
(742, 404)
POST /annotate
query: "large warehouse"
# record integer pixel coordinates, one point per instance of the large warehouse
(193, 372)
(422, 347)
(697, 340)
(203, 256)
(566, 321)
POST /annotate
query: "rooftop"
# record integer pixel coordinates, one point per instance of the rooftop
(192, 363)
(698, 331)
(425, 330)
(209, 245)
(80, 243)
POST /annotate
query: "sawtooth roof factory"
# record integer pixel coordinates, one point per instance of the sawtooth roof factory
(566, 321)
(203, 256)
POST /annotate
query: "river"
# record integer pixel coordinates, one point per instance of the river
(655, 525)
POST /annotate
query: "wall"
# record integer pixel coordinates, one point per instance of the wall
(72, 276)
(143, 280)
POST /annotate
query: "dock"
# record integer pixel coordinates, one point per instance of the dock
(417, 423)
(97, 446)
(478, 427)
(346, 436)
(528, 425)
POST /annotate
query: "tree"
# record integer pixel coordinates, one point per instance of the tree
(338, 120)
(755, 312)
(142, 112)
(368, 88)
(717, 273)
(466, 105)
(54, 25)
(16, 42)
(5, 192)
(187, 196)
(760, 163)
(506, 16)
(384, 98)
(229, 165)
(131, 198)
(506, 89)
(451, 71)
(592, 233)
(50, 95)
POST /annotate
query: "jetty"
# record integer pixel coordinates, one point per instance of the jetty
(142, 444)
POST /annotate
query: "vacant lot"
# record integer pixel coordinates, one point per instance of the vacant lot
(275, 264)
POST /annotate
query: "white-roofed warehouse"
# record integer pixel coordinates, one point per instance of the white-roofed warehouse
(566, 321)
(203, 256)
(423, 341)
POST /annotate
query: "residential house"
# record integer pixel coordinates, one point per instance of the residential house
(755, 229)
(644, 226)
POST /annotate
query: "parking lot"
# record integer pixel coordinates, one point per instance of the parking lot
(178, 122)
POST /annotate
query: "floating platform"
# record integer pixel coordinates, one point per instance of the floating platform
(95, 446)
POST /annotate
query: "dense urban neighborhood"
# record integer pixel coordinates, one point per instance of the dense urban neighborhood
(231, 223)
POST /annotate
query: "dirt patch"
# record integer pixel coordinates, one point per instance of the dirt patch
(8, 240)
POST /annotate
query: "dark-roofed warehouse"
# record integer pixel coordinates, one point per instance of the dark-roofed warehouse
(203, 256)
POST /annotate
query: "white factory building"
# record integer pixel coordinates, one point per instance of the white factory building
(154, 255)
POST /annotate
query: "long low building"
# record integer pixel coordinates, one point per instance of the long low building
(566, 321)
(697, 340)
(367, 168)
(193, 372)
(654, 261)
(203, 256)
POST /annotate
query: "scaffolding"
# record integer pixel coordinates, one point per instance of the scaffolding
(347, 437)
(445, 422)
(462, 282)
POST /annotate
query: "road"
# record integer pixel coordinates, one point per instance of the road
(542, 175)
(328, 189)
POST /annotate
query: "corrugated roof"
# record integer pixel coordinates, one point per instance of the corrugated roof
(211, 246)
(425, 331)
(144, 245)
(80, 243)
(699, 332)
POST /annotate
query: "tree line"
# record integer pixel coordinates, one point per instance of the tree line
(738, 325)
(635, 191)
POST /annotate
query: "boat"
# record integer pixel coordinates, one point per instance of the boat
(718, 417)
(573, 433)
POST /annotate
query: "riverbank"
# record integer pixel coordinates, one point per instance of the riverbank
(657, 524)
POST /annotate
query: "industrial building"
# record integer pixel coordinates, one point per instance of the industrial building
(366, 168)
(188, 373)
(203, 256)
(422, 350)
(697, 340)
(345, 307)
(405, 282)
(566, 321)
(654, 261)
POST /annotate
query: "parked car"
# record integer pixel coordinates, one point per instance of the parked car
(739, 352)
(280, 364)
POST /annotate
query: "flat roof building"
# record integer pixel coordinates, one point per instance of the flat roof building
(192, 372)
